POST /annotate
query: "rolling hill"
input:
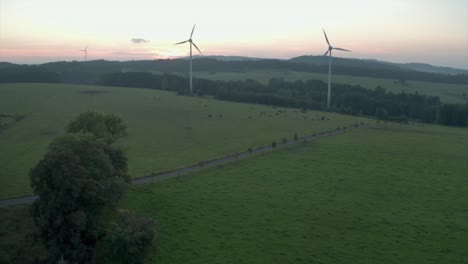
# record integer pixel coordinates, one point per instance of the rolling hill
(376, 64)
(88, 72)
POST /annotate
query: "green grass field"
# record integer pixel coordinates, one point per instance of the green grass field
(393, 194)
(166, 131)
(379, 195)
(448, 93)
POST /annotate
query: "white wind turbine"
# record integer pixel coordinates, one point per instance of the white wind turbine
(85, 52)
(329, 51)
(190, 69)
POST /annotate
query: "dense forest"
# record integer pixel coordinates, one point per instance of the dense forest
(348, 99)
(88, 72)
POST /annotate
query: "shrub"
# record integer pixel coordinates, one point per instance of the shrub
(130, 239)
(4, 258)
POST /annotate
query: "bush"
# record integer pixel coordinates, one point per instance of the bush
(295, 137)
(4, 258)
(273, 144)
(130, 239)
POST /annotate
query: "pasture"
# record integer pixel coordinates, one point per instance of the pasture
(388, 194)
(378, 195)
(165, 131)
(448, 93)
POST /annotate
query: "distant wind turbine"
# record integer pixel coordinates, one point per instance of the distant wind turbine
(190, 69)
(329, 51)
(85, 52)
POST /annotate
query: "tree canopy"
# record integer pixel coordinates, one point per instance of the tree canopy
(107, 127)
(79, 177)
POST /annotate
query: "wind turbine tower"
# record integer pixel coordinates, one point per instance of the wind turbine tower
(329, 51)
(190, 68)
(85, 53)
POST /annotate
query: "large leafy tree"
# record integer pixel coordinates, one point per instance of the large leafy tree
(107, 127)
(80, 178)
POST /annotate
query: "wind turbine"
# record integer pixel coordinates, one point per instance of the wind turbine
(329, 51)
(190, 69)
(85, 52)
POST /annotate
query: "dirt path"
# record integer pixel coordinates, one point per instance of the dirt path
(206, 164)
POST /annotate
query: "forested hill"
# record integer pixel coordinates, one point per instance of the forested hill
(376, 64)
(88, 72)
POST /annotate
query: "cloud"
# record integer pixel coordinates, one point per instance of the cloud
(139, 40)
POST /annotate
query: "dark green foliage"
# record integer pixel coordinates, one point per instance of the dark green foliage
(18, 237)
(381, 113)
(29, 74)
(107, 127)
(273, 144)
(4, 258)
(130, 239)
(77, 180)
(453, 115)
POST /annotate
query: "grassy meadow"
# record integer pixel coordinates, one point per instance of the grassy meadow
(166, 131)
(389, 194)
(378, 195)
(448, 93)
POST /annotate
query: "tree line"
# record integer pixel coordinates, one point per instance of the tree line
(311, 94)
(88, 72)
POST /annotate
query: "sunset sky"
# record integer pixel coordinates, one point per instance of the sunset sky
(428, 31)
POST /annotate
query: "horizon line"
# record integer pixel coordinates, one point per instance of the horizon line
(247, 57)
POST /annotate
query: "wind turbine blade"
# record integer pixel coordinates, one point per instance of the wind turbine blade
(342, 49)
(182, 42)
(197, 48)
(326, 53)
(191, 34)
(326, 38)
